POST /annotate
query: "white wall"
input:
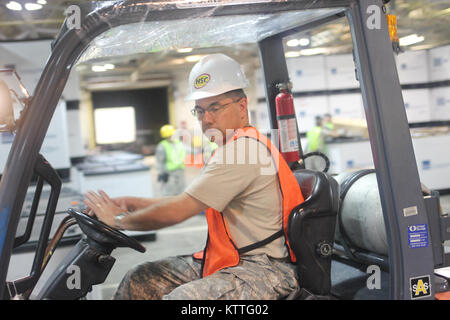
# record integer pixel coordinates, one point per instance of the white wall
(182, 108)
(55, 147)
(29, 59)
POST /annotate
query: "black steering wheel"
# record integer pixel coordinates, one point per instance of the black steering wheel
(102, 233)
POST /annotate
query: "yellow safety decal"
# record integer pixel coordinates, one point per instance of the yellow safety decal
(420, 287)
(202, 80)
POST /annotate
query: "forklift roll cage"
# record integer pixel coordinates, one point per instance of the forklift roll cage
(396, 170)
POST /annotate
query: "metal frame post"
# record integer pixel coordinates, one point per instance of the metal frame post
(274, 67)
(392, 149)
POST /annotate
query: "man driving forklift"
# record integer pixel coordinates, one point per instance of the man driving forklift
(247, 254)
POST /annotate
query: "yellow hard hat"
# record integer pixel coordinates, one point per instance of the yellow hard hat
(167, 131)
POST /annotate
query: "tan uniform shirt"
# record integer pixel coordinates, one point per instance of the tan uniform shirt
(240, 181)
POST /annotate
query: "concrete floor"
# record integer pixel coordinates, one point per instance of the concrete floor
(185, 238)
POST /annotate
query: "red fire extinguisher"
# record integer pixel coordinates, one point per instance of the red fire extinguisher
(287, 124)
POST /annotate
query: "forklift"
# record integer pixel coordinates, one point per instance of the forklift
(315, 230)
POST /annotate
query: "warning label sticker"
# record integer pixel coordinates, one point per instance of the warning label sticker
(418, 236)
(288, 135)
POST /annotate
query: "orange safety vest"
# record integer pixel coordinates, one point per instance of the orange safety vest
(220, 250)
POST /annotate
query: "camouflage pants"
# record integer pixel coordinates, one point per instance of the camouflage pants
(178, 278)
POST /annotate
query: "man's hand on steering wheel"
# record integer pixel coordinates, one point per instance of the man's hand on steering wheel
(103, 207)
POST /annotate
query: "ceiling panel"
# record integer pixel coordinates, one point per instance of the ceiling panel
(428, 18)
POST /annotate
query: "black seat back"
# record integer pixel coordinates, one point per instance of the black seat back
(311, 230)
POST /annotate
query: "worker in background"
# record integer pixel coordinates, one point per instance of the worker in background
(208, 149)
(201, 151)
(247, 254)
(170, 156)
(315, 143)
(328, 122)
(184, 135)
(315, 137)
(195, 156)
(329, 131)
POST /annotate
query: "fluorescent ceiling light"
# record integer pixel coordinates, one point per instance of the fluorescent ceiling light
(292, 54)
(101, 68)
(443, 12)
(322, 38)
(292, 43)
(411, 39)
(33, 6)
(42, 2)
(304, 42)
(298, 42)
(98, 68)
(193, 58)
(313, 51)
(15, 6)
(184, 50)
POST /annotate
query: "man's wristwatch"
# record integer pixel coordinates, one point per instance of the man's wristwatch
(118, 219)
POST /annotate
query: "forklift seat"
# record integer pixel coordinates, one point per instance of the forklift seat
(311, 232)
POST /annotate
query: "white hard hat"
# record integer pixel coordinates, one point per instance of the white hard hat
(215, 74)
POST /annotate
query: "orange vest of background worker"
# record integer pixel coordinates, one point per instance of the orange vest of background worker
(220, 251)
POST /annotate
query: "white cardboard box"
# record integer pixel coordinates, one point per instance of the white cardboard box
(433, 160)
(439, 63)
(348, 106)
(350, 155)
(307, 73)
(340, 72)
(440, 103)
(417, 105)
(307, 108)
(431, 152)
(412, 67)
